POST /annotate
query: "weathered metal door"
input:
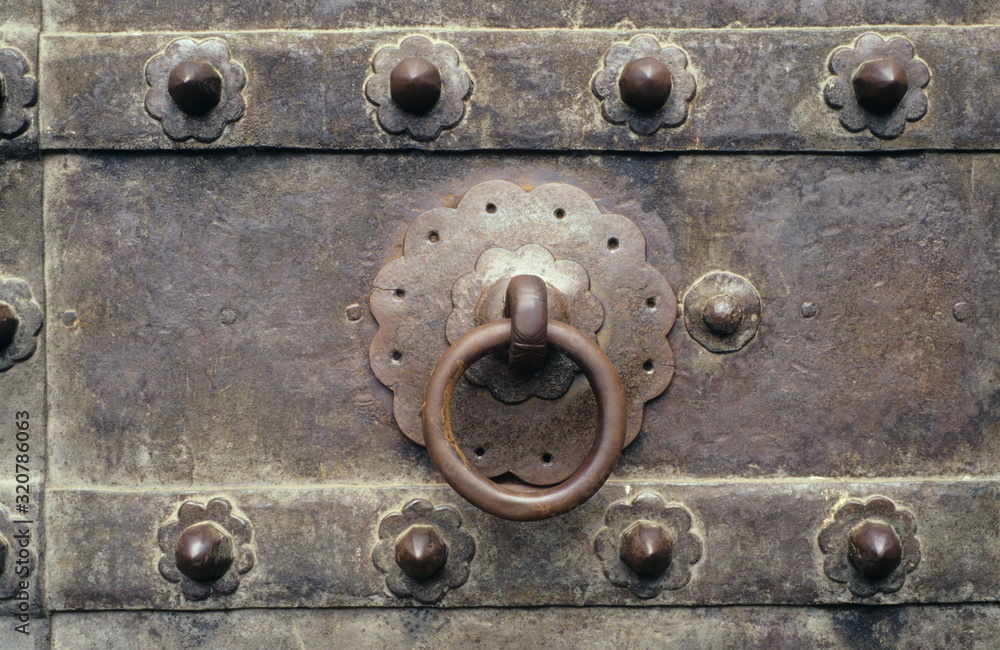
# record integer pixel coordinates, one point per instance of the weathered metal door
(749, 395)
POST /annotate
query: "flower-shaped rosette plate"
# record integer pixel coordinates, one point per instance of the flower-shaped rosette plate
(455, 87)
(9, 578)
(673, 113)
(834, 541)
(17, 91)
(461, 549)
(840, 93)
(189, 514)
(177, 124)
(16, 293)
(676, 520)
(412, 301)
(478, 299)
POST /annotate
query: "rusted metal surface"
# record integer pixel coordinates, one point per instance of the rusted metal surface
(526, 304)
(515, 503)
(883, 381)
(530, 92)
(760, 545)
(208, 323)
(150, 15)
(22, 382)
(878, 628)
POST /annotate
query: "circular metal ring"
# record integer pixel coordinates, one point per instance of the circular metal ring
(473, 484)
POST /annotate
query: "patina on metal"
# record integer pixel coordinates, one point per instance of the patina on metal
(875, 549)
(452, 276)
(211, 332)
(646, 548)
(195, 86)
(645, 84)
(871, 546)
(204, 552)
(722, 311)
(415, 84)
(880, 85)
(526, 304)
(423, 551)
(420, 552)
(512, 502)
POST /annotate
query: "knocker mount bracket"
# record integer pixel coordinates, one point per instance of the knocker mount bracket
(535, 425)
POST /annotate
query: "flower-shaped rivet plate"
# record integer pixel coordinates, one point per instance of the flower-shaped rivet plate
(445, 113)
(429, 295)
(17, 91)
(453, 555)
(673, 112)
(177, 123)
(842, 90)
(207, 542)
(15, 556)
(839, 539)
(21, 320)
(648, 510)
(722, 311)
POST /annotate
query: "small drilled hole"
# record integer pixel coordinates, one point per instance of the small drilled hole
(651, 303)
(547, 459)
(613, 243)
(479, 451)
(560, 213)
(490, 208)
(399, 294)
(396, 356)
(433, 237)
(648, 366)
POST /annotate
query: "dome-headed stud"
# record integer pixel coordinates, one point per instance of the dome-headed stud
(420, 552)
(195, 86)
(645, 84)
(875, 549)
(880, 85)
(646, 548)
(723, 314)
(204, 552)
(8, 325)
(415, 84)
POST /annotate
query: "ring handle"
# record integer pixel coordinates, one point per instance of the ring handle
(472, 484)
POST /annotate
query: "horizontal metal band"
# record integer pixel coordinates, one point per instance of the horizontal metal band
(84, 16)
(757, 90)
(314, 547)
(725, 627)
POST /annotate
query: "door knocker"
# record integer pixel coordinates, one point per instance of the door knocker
(567, 321)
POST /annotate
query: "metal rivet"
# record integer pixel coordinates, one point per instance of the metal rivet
(809, 310)
(875, 549)
(420, 552)
(8, 325)
(645, 84)
(415, 84)
(354, 312)
(723, 314)
(962, 311)
(195, 86)
(880, 85)
(204, 552)
(646, 548)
